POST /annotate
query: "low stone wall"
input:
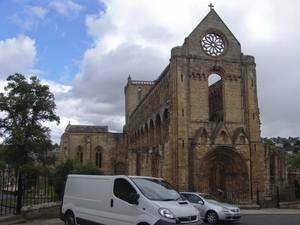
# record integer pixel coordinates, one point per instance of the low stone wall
(290, 205)
(46, 211)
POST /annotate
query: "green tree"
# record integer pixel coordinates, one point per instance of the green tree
(294, 160)
(26, 105)
(30, 171)
(269, 142)
(55, 146)
(2, 166)
(286, 144)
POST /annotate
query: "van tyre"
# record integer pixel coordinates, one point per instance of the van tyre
(69, 219)
(211, 217)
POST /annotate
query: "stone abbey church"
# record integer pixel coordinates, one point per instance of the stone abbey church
(196, 135)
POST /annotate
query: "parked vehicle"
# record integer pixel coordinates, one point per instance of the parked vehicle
(120, 200)
(211, 209)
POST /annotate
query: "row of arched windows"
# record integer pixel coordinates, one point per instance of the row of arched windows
(156, 131)
(97, 155)
(152, 133)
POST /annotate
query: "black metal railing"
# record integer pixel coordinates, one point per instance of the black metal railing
(21, 192)
(269, 200)
(8, 189)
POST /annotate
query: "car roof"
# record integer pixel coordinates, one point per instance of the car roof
(198, 193)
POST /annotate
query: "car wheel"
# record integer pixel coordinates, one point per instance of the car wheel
(69, 219)
(211, 217)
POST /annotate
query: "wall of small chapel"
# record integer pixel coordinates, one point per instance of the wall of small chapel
(110, 147)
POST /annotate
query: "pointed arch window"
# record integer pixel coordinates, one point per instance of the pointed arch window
(215, 97)
(79, 154)
(272, 169)
(98, 157)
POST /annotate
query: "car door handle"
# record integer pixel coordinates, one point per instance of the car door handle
(111, 203)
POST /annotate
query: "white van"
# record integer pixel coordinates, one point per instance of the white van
(119, 200)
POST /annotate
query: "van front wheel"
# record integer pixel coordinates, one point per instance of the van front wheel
(69, 219)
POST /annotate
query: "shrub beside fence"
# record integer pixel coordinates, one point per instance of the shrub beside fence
(21, 192)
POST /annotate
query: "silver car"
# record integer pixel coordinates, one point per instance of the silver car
(211, 209)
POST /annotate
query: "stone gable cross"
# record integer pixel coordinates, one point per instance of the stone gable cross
(210, 6)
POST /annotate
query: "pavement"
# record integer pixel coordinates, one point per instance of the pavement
(269, 211)
(17, 219)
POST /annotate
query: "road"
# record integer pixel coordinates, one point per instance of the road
(271, 219)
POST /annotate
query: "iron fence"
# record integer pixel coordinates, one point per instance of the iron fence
(21, 192)
(8, 201)
(268, 200)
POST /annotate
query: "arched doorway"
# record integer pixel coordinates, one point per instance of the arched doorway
(120, 169)
(297, 189)
(223, 172)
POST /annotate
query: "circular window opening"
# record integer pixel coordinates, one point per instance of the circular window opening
(213, 44)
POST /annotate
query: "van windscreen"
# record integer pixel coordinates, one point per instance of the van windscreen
(156, 189)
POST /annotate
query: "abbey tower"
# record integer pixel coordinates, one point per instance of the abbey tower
(200, 135)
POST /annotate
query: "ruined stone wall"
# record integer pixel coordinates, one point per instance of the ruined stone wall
(112, 146)
(170, 128)
(151, 105)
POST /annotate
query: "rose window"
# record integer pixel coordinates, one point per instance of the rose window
(213, 44)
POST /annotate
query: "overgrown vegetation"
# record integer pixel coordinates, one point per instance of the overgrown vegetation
(34, 171)
(2, 166)
(294, 160)
(269, 142)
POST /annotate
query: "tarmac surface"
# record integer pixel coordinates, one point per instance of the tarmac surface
(57, 221)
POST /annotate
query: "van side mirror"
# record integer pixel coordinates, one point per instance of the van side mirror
(133, 198)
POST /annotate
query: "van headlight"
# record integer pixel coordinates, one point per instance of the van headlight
(166, 213)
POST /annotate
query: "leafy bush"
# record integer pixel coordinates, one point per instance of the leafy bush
(294, 160)
(2, 166)
(34, 171)
(86, 168)
(30, 171)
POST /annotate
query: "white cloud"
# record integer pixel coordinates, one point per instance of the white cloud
(18, 55)
(35, 11)
(124, 43)
(30, 17)
(135, 38)
(26, 24)
(67, 8)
